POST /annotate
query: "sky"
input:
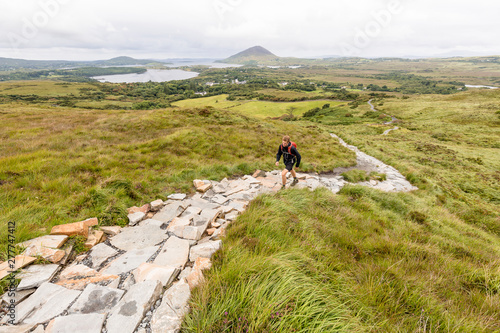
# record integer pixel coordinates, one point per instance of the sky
(162, 29)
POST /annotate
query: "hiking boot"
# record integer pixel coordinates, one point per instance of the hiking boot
(295, 181)
(282, 187)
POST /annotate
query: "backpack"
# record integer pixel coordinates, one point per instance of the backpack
(290, 147)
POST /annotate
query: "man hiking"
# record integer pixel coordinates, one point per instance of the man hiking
(290, 157)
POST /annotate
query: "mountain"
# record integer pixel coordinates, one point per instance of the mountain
(251, 55)
(14, 64)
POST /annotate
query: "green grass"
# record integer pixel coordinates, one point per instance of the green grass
(363, 260)
(259, 109)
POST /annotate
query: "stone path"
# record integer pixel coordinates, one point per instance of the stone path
(139, 278)
(393, 119)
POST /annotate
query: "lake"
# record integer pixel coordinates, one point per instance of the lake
(155, 75)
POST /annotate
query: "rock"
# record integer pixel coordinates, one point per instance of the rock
(68, 254)
(204, 250)
(169, 211)
(96, 299)
(191, 211)
(79, 276)
(139, 237)
(232, 216)
(148, 271)
(95, 237)
(35, 275)
(129, 260)
(210, 214)
(46, 253)
(52, 241)
(211, 231)
(47, 302)
(195, 277)
(259, 173)
(78, 228)
(135, 218)
(179, 222)
(100, 253)
(204, 188)
(187, 232)
(129, 282)
(174, 306)
(128, 313)
(220, 199)
(143, 209)
(156, 205)
(216, 224)
(88, 323)
(18, 296)
(18, 328)
(198, 183)
(240, 206)
(19, 261)
(267, 182)
(177, 196)
(174, 253)
(111, 230)
(114, 284)
(150, 221)
(251, 180)
(184, 273)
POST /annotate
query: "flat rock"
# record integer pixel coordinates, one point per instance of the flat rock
(177, 196)
(79, 276)
(188, 232)
(100, 253)
(47, 253)
(151, 222)
(169, 211)
(128, 313)
(35, 275)
(111, 230)
(195, 277)
(19, 261)
(202, 203)
(78, 228)
(210, 214)
(232, 216)
(53, 241)
(129, 260)
(95, 237)
(174, 253)
(135, 218)
(204, 250)
(18, 296)
(174, 306)
(47, 302)
(179, 222)
(17, 329)
(96, 299)
(148, 271)
(139, 237)
(156, 205)
(77, 323)
(143, 209)
(220, 199)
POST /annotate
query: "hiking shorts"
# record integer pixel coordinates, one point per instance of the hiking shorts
(289, 166)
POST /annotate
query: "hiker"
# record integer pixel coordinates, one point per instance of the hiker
(290, 157)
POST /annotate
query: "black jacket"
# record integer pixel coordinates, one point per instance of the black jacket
(288, 158)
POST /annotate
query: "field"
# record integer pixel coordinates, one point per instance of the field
(296, 261)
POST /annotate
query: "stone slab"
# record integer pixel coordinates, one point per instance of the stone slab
(177, 196)
(111, 230)
(204, 250)
(156, 205)
(174, 306)
(47, 253)
(35, 275)
(100, 253)
(187, 232)
(17, 262)
(135, 218)
(79, 276)
(18, 296)
(147, 271)
(151, 222)
(53, 241)
(139, 237)
(96, 299)
(129, 260)
(17, 329)
(169, 211)
(47, 302)
(129, 312)
(179, 222)
(77, 323)
(70, 229)
(174, 253)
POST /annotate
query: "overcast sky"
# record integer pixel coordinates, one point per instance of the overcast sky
(159, 29)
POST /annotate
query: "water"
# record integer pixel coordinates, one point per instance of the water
(155, 75)
(473, 86)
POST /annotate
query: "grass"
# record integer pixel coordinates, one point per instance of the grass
(363, 260)
(356, 176)
(63, 165)
(258, 109)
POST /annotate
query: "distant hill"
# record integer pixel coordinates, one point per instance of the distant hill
(14, 64)
(254, 54)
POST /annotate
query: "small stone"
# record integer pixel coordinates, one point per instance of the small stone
(135, 218)
(143, 209)
(177, 196)
(111, 230)
(216, 224)
(211, 231)
(156, 205)
(95, 237)
(70, 229)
